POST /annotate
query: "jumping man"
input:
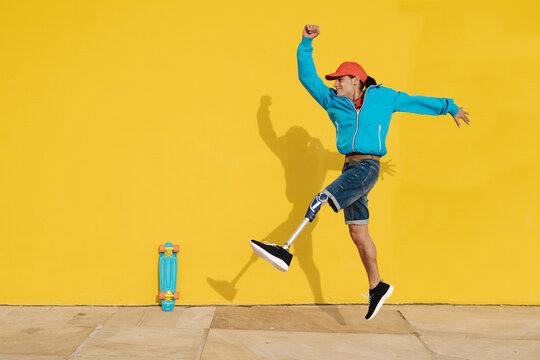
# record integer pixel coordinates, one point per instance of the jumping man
(361, 112)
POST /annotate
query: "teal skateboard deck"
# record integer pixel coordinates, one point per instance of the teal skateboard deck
(168, 269)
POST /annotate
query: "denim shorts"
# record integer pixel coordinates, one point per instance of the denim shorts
(349, 191)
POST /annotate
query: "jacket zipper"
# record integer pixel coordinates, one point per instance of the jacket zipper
(354, 137)
(357, 115)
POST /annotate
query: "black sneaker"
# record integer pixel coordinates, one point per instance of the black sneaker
(377, 297)
(274, 254)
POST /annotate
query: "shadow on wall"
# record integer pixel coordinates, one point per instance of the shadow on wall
(305, 162)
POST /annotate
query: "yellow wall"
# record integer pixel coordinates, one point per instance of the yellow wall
(126, 124)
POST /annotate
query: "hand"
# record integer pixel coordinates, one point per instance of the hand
(311, 31)
(461, 114)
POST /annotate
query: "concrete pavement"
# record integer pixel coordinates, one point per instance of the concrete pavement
(442, 332)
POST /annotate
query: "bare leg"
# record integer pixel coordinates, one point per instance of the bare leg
(368, 253)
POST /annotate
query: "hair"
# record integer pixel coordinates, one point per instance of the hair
(364, 85)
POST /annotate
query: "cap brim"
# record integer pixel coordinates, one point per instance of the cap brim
(333, 76)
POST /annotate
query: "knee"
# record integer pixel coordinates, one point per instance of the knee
(359, 234)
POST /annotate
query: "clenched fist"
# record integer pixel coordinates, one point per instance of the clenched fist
(311, 31)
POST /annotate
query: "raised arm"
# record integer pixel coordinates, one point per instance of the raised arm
(429, 106)
(306, 68)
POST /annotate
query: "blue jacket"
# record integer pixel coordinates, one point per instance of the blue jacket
(364, 131)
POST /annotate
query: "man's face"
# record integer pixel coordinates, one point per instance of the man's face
(344, 86)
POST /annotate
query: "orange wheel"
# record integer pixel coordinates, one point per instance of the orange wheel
(176, 295)
(176, 248)
(161, 248)
(162, 295)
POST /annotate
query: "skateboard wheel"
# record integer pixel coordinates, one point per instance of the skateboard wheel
(161, 248)
(176, 248)
(161, 295)
(176, 295)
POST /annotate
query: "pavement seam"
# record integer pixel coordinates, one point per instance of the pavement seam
(433, 353)
(203, 344)
(204, 338)
(83, 344)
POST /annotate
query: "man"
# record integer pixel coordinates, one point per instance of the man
(361, 111)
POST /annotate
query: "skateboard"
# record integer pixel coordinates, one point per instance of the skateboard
(168, 265)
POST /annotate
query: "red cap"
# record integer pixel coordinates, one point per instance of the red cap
(349, 68)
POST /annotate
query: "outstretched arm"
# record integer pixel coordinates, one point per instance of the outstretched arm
(306, 67)
(429, 106)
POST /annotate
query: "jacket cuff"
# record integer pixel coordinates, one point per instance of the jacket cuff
(306, 41)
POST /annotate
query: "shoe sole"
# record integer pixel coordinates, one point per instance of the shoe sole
(275, 261)
(383, 299)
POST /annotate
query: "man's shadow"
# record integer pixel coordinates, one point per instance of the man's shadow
(306, 163)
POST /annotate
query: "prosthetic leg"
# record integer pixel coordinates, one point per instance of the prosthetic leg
(279, 256)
